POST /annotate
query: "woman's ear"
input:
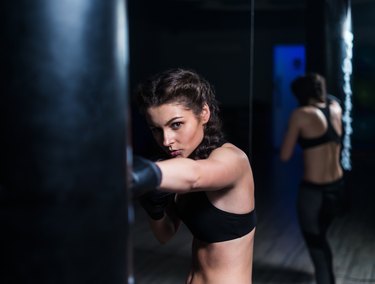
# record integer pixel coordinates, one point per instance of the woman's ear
(205, 114)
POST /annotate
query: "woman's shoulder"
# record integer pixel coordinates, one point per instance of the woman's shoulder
(305, 112)
(335, 107)
(299, 114)
(303, 116)
(229, 150)
(230, 146)
(305, 109)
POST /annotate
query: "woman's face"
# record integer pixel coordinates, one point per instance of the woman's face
(177, 129)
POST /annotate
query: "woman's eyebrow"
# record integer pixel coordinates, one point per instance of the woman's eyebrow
(151, 125)
(172, 119)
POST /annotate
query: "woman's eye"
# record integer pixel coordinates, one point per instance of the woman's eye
(176, 125)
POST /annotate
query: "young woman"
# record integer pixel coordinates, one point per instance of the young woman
(209, 180)
(316, 125)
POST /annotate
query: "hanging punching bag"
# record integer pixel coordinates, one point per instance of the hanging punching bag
(63, 133)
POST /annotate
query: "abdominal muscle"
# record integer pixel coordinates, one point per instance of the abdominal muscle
(222, 262)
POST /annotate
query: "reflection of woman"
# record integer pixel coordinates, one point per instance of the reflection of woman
(211, 179)
(316, 126)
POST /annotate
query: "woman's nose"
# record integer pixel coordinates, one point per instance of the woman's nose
(167, 138)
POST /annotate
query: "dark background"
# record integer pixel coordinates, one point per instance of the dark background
(62, 144)
(217, 38)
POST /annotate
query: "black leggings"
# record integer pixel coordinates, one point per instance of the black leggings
(317, 205)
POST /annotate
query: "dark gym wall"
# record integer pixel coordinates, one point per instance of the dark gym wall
(213, 42)
(364, 74)
(283, 23)
(216, 42)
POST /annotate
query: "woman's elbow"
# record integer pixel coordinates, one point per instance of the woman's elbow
(166, 236)
(162, 237)
(164, 233)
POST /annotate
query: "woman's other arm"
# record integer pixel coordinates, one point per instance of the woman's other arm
(291, 136)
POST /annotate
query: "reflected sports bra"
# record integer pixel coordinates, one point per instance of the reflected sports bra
(329, 136)
(209, 223)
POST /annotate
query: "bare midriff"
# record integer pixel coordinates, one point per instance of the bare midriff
(222, 262)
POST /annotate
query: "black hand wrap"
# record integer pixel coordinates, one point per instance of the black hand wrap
(155, 202)
(146, 176)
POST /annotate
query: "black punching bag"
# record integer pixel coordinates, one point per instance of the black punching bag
(63, 197)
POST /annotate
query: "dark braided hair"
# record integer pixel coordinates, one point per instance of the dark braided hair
(191, 90)
(309, 86)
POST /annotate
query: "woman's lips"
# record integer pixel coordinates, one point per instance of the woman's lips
(175, 153)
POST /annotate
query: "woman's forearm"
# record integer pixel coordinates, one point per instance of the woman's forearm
(163, 229)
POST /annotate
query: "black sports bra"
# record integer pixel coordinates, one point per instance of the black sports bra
(209, 223)
(329, 136)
